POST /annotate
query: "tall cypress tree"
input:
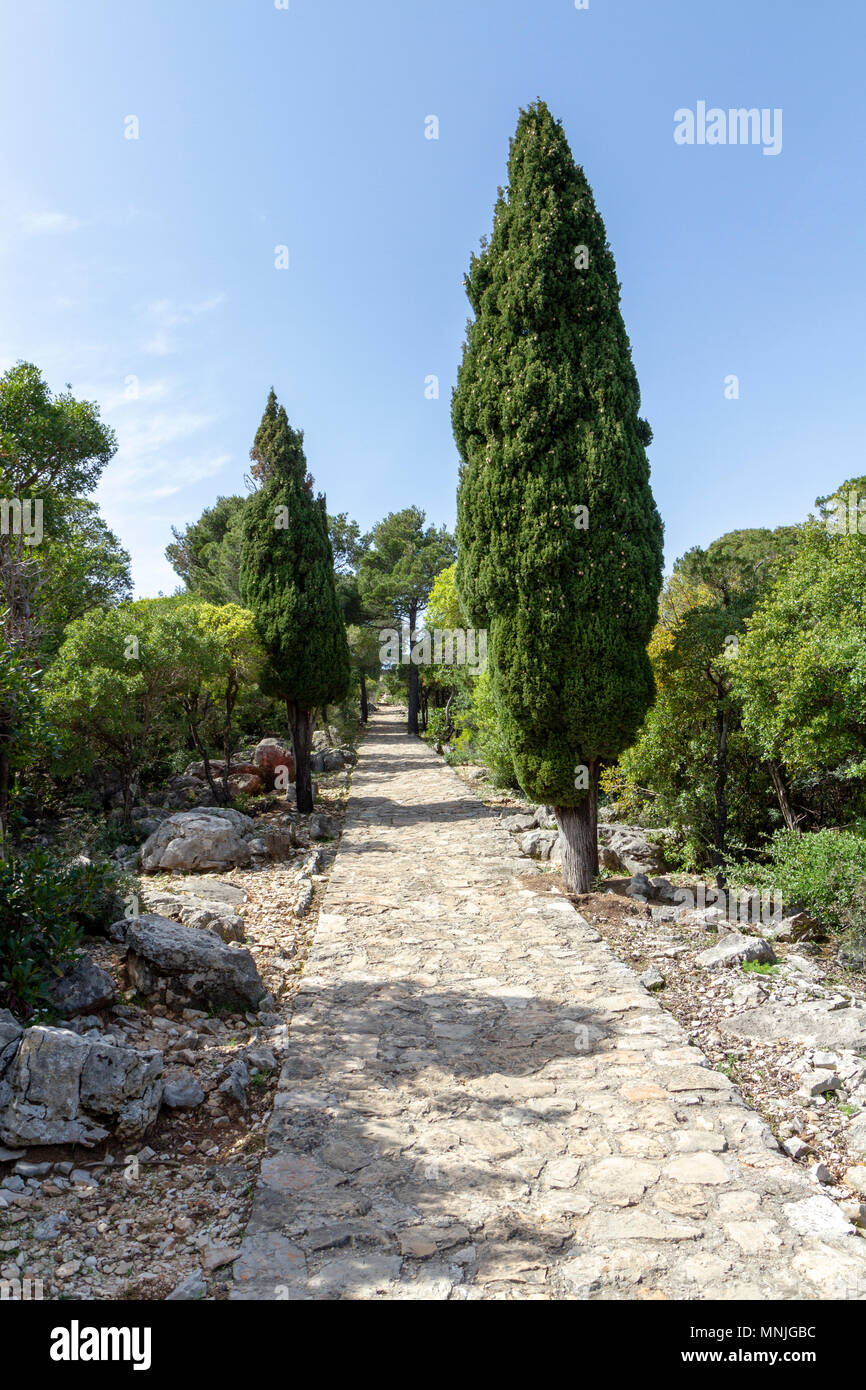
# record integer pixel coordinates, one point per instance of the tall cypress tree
(287, 580)
(559, 539)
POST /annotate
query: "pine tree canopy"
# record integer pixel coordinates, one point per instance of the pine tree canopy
(546, 416)
(287, 571)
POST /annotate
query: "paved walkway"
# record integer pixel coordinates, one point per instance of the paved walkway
(481, 1101)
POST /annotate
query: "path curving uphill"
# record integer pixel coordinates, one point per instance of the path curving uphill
(481, 1101)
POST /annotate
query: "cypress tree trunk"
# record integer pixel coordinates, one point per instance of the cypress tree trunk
(301, 726)
(365, 713)
(578, 839)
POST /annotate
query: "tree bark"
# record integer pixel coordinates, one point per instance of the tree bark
(448, 729)
(791, 821)
(578, 839)
(721, 826)
(126, 787)
(221, 794)
(365, 713)
(301, 725)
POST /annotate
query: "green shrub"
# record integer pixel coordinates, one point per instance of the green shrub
(481, 739)
(436, 725)
(824, 872)
(43, 911)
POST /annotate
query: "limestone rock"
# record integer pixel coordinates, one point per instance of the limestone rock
(640, 888)
(10, 1034)
(82, 988)
(737, 949)
(632, 847)
(183, 1092)
(519, 822)
(279, 841)
(189, 1289)
(192, 964)
(652, 979)
(856, 1136)
(814, 1024)
(65, 1089)
(539, 844)
(323, 828)
(210, 838)
(817, 1216)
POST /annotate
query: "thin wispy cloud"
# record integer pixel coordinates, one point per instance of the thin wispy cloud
(167, 314)
(48, 223)
(133, 394)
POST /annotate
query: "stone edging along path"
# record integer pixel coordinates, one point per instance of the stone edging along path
(481, 1101)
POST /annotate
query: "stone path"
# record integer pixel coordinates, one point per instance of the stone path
(481, 1101)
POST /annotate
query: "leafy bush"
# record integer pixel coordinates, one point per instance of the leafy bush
(94, 895)
(39, 926)
(43, 910)
(436, 725)
(824, 872)
(481, 738)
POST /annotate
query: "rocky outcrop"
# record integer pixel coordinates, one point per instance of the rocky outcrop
(200, 901)
(82, 988)
(630, 849)
(737, 949)
(179, 963)
(279, 840)
(323, 828)
(520, 822)
(540, 844)
(812, 1023)
(269, 757)
(244, 779)
(199, 913)
(59, 1088)
(210, 838)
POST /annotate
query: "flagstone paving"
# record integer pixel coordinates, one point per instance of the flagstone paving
(481, 1101)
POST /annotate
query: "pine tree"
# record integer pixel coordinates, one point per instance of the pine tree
(287, 579)
(559, 539)
(396, 574)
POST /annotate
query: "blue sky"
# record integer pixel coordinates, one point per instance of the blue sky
(304, 127)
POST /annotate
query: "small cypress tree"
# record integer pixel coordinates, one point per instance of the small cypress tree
(559, 539)
(287, 580)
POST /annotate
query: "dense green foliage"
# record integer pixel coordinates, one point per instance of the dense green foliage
(547, 420)
(207, 553)
(43, 911)
(396, 574)
(823, 872)
(801, 672)
(697, 768)
(57, 556)
(287, 580)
